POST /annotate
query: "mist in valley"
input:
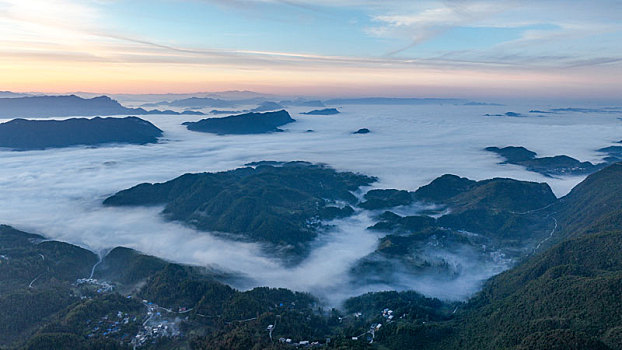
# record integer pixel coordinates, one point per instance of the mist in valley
(59, 192)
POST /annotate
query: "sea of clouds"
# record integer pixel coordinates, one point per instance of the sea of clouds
(58, 192)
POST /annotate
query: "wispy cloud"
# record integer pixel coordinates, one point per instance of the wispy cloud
(39, 33)
(552, 35)
(433, 22)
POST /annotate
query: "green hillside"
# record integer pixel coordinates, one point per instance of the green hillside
(280, 204)
(568, 296)
(594, 205)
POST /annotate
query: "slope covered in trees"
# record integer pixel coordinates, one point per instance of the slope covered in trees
(281, 204)
(248, 123)
(548, 166)
(565, 297)
(571, 293)
(568, 297)
(22, 134)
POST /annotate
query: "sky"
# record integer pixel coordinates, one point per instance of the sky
(457, 48)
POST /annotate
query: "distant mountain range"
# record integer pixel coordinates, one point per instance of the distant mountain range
(208, 102)
(303, 103)
(68, 106)
(9, 94)
(267, 107)
(195, 103)
(394, 101)
(161, 99)
(215, 102)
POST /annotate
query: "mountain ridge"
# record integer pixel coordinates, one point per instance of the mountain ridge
(69, 106)
(24, 134)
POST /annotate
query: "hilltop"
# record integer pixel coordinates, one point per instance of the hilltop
(248, 123)
(325, 111)
(547, 166)
(473, 223)
(567, 297)
(22, 134)
(282, 204)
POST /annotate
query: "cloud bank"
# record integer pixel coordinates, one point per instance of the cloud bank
(58, 193)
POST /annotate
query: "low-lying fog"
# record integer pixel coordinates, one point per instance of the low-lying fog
(58, 192)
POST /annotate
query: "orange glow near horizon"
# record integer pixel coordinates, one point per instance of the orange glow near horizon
(31, 75)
